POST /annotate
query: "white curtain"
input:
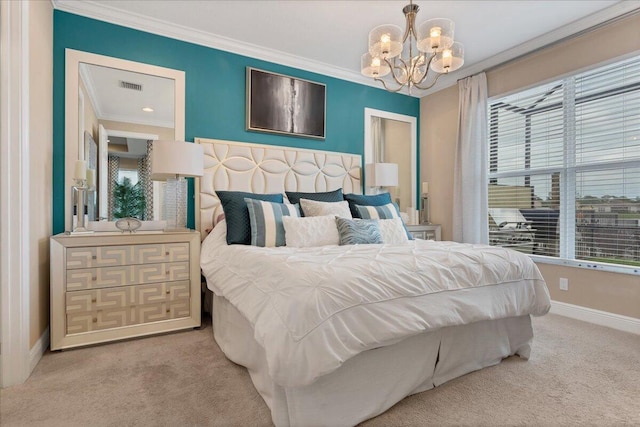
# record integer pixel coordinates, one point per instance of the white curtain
(470, 204)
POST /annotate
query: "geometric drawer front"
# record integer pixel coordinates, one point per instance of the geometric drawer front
(98, 299)
(168, 252)
(104, 277)
(123, 296)
(104, 256)
(111, 256)
(133, 315)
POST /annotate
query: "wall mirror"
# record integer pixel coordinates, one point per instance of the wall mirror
(114, 109)
(392, 138)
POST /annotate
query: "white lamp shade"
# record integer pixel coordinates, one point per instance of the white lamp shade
(449, 59)
(171, 159)
(382, 174)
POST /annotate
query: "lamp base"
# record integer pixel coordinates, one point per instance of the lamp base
(175, 204)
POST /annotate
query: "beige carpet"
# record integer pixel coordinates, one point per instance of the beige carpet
(579, 374)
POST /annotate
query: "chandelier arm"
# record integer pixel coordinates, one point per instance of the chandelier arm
(395, 67)
(384, 83)
(430, 85)
(426, 70)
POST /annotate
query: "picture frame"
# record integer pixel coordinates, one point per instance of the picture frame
(285, 105)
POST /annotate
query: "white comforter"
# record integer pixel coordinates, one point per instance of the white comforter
(314, 308)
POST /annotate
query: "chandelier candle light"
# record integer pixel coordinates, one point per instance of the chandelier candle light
(434, 46)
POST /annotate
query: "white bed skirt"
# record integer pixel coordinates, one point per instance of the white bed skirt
(373, 381)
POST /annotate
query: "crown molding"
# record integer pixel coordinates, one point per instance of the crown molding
(103, 12)
(573, 29)
(106, 13)
(91, 90)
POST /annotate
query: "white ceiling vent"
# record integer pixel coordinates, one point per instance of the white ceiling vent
(132, 86)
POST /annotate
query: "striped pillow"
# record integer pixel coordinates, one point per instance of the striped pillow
(388, 211)
(266, 221)
(357, 232)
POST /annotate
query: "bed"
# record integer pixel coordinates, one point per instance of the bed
(335, 335)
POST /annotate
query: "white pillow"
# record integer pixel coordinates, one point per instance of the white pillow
(315, 208)
(392, 231)
(310, 231)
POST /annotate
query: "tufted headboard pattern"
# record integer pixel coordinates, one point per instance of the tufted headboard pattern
(257, 168)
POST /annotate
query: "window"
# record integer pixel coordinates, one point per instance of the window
(564, 167)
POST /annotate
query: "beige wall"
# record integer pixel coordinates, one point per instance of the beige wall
(41, 153)
(398, 150)
(438, 131)
(163, 133)
(612, 292)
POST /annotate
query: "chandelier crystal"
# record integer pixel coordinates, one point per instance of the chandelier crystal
(433, 45)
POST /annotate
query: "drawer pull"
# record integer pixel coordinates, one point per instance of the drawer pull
(167, 253)
(168, 311)
(93, 257)
(168, 292)
(167, 272)
(93, 300)
(94, 278)
(95, 320)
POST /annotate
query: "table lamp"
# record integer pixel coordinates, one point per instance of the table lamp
(173, 161)
(381, 175)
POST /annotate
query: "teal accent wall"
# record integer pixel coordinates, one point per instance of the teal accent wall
(215, 93)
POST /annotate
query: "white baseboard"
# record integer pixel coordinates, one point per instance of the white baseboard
(602, 318)
(35, 354)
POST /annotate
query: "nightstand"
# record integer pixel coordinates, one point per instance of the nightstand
(110, 286)
(426, 231)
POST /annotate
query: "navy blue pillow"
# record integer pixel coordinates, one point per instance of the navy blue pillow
(366, 200)
(329, 196)
(236, 213)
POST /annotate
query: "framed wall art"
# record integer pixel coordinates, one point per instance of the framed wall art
(285, 105)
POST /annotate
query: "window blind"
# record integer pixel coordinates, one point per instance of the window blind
(564, 167)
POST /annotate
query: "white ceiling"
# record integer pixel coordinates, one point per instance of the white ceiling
(330, 36)
(112, 102)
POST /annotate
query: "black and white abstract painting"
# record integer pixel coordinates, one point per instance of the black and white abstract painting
(282, 104)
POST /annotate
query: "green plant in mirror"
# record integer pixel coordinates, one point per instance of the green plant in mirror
(128, 200)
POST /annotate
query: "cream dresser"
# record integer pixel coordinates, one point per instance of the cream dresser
(110, 286)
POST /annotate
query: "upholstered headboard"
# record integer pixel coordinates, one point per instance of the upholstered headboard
(256, 168)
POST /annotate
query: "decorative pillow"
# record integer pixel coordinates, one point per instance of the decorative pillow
(354, 232)
(366, 200)
(314, 208)
(266, 221)
(310, 231)
(388, 211)
(237, 214)
(329, 196)
(393, 231)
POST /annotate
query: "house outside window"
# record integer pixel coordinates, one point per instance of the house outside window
(564, 168)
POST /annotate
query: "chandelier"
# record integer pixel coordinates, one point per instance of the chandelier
(432, 43)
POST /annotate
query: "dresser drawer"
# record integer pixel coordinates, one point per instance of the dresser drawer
(106, 277)
(111, 256)
(123, 296)
(127, 316)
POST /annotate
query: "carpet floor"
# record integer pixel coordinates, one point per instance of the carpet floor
(578, 375)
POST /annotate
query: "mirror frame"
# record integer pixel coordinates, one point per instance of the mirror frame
(368, 146)
(74, 147)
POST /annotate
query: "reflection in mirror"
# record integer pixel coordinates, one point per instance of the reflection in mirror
(125, 111)
(114, 108)
(391, 138)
